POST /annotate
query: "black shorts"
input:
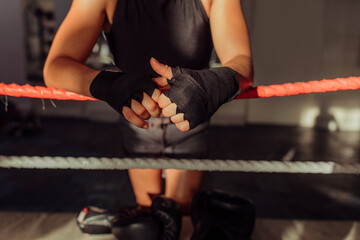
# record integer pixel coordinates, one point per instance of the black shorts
(163, 139)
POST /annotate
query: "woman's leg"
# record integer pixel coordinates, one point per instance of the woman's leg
(146, 184)
(138, 142)
(181, 185)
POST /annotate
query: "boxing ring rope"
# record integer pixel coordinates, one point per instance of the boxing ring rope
(279, 90)
(93, 163)
(288, 89)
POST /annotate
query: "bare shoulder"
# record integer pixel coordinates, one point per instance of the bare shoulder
(79, 31)
(110, 6)
(94, 5)
(207, 6)
(94, 8)
(223, 2)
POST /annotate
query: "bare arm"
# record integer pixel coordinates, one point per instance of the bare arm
(73, 43)
(65, 66)
(231, 38)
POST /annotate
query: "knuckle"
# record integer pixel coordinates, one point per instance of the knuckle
(131, 118)
(133, 104)
(142, 112)
(173, 107)
(184, 126)
(145, 115)
(152, 106)
(173, 119)
(163, 100)
(126, 113)
(156, 94)
(156, 113)
(166, 112)
(161, 103)
(180, 127)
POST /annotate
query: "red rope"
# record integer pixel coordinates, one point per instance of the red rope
(15, 90)
(287, 89)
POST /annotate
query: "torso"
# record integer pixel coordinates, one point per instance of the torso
(177, 33)
(111, 5)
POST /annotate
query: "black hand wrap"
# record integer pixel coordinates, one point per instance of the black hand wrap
(198, 94)
(117, 88)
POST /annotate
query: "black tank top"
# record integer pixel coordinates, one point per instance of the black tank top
(175, 32)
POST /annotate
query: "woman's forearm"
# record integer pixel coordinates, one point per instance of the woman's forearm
(68, 74)
(243, 66)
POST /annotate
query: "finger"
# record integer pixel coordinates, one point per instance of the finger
(161, 69)
(161, 82)
(177, 118)
(164, 89)
(151, 106)
(170, 110)
(164, 101)
(133, 118)
(139, 109)
(183, 126)
(156, 95)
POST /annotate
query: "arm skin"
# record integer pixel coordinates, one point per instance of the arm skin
(231, 38)
(65, 65)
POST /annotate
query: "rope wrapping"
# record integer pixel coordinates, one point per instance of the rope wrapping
(278, 90)
(92, 163)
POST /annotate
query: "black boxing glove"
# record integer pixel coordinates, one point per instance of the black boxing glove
(168, 213)
(117, 88)
(198, 94)
(220, 215)
(136, 223)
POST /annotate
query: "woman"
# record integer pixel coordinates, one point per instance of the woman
(142, 34)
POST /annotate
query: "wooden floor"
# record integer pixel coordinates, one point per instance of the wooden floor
(61, 226)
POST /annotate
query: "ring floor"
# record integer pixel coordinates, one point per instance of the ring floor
(42, 204)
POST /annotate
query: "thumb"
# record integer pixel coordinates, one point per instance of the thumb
(162, 83)
(161, 69)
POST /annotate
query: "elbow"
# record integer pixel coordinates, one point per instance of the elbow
(246, 76)
(251, 76)
(242, 65)
(245, 81)
(47, 73)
